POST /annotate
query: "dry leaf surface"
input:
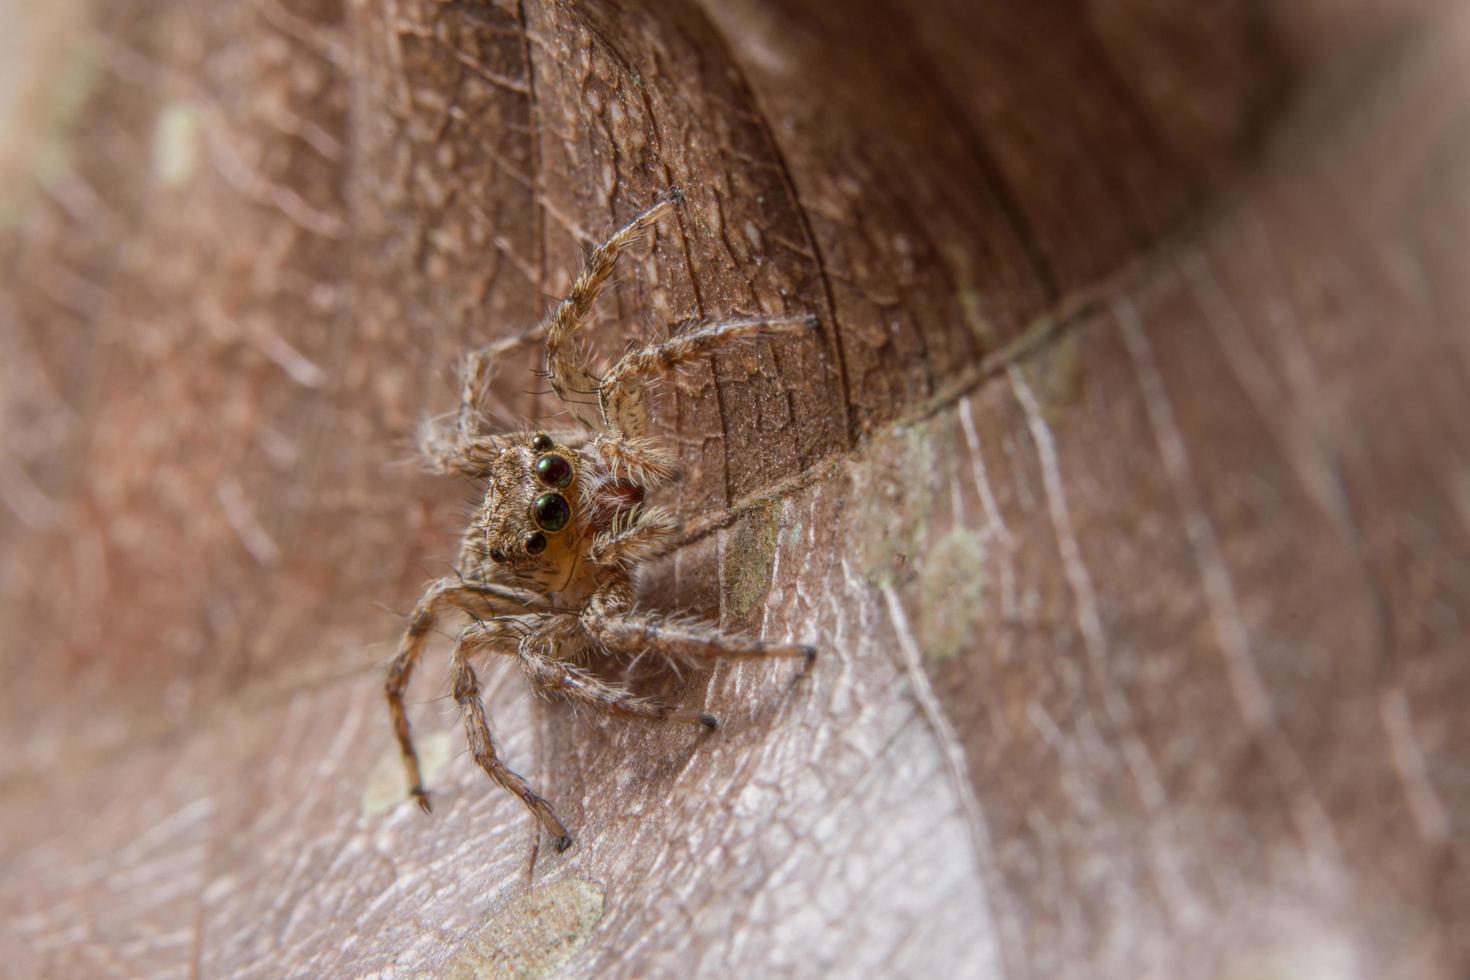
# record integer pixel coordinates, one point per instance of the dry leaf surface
(1125, 487)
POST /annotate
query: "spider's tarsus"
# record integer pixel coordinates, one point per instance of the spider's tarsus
(674, 195)
(709, 721)
(808, 658)
(422, 799)
(562, 843)
(813, 322)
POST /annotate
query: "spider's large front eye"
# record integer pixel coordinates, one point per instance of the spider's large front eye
(554, 471)
(552, 512)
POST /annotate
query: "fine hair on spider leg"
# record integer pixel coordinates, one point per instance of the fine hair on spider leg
(560, 525)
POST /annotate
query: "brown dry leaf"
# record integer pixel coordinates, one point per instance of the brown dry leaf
(1125, 488)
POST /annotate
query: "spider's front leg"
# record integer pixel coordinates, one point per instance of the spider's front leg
(610, 620)
(478, 598)
(446, 591)
(466, 686)
(542, 655)
(579, 686)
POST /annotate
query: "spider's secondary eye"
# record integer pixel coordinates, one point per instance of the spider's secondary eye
(554, 471)
(497, 556)
(552, 512)
(542, 442)
(535, 543)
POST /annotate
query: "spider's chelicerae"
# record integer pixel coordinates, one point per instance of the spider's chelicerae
(545, 564)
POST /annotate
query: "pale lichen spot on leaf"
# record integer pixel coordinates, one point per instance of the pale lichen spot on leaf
(750, 554)
(892, 494)
(791, 534)
(385, 787)
(753, 235)
(951, 590)
(1056, 373)
(972, 306)
(175, 149)
(534, 935)
(1312, 953)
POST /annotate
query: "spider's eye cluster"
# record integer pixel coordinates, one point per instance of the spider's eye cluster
(554, 470)
(550, 510)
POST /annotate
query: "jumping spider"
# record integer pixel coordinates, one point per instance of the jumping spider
(544, 566)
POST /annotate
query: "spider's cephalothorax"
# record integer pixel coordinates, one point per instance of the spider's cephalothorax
(544, 570)
(552, 514)
(527, 518)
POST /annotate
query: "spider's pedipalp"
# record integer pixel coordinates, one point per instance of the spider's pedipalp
(645, 534)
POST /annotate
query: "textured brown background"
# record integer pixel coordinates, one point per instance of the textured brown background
(1126, 488)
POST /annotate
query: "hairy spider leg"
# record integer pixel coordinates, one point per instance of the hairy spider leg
(479, 598)
(570, 374)
(610, 621)
(467, 445)
(420, 622)
(633, 633)
(621, 393)
(447, 451)
(625, 443)
(466, 687)
(564, 680)
(566, 363)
